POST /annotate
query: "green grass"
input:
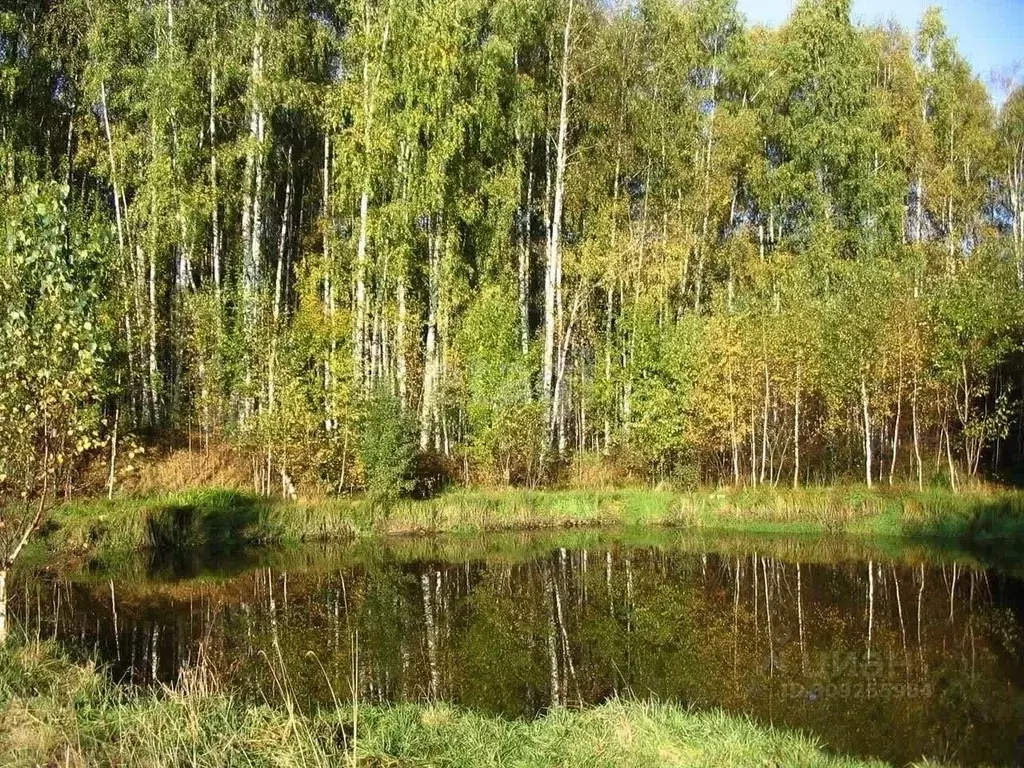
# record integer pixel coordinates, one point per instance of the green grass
(55, 712)
(987, 518)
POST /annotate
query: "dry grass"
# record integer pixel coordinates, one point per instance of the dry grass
(163, 471)
(162, 468)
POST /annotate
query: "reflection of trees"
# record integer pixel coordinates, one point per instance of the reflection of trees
(503, 665)
(876, 655)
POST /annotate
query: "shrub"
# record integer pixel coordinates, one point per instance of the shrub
(387, 448)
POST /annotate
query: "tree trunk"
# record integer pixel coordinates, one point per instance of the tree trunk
(919, 219)
(252, 214)
(282, 241)
(800, 612)
(610, 404)
(12, 555)
(552, 274)
(113, 445)
(867, 428)
(917, 442)
(428, 409)
(524, 258)
(328, 292)
(113, 169)
(153, 372)
(1016, 192)
(555, 673)
(764, 424)
(753, 448)
(3, 606)
(796, 433)
(871, 603)
(214, 202)
(733, 436)
(359, 328)
(282, 244)
(400, 366)
(896, 426)
(949, 455)
(256, 257)
(563, 354)
(899, 608)
(610, 306)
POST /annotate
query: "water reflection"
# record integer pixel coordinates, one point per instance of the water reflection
(893, 657)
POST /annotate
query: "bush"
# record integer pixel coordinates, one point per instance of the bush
(387, 448)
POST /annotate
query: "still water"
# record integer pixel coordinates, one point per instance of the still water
(877, 650)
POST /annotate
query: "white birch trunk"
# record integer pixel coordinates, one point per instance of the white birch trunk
(867, 428)
(1015, 189)
(796, 434)
(113, 169)
(764, 424)
(400, 344)
(153, 372)
(359, 329)
(553, 271)
(215, 202)
(555, 672)
(3, 606)
(327, 298)
(896, 426)
(428, 409)
(917, 441)
(524, 265)
(282, 245)
(251, 213)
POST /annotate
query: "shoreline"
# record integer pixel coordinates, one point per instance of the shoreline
(986, 519)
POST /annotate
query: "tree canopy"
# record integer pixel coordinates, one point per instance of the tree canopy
(533, 230)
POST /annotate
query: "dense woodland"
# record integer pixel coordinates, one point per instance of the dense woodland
(491, 239)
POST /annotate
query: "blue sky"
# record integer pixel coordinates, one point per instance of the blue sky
(990, 33)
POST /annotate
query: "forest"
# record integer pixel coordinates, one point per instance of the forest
(364, 242)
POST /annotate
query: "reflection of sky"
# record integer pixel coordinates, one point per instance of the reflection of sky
(990, 33)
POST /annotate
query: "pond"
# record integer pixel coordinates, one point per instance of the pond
(876, 648)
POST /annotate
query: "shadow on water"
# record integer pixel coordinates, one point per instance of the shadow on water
(992, 531)
(993, 523)
(184, 540)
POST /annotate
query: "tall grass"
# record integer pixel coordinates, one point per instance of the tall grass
(985, 517)
(58, 713)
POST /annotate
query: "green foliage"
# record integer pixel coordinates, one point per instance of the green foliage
(507, 424)
(661, 439)
(387, 446)
(51, 346)
(783, 254)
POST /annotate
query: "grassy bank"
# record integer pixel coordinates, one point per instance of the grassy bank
(55, 712)
(189, 520)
